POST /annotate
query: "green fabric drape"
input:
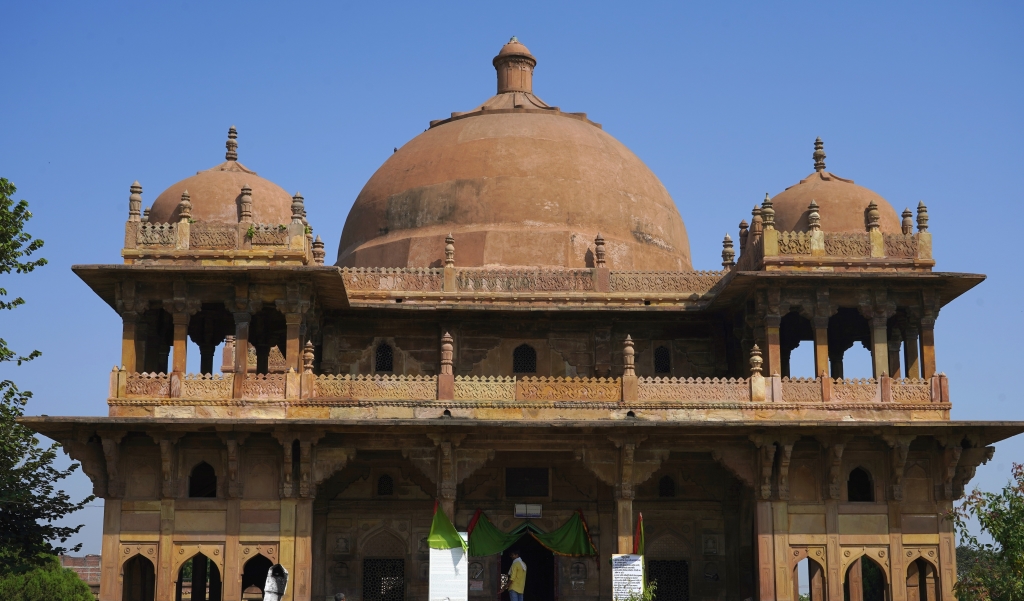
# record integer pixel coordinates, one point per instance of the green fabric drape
(572, 538)
(443, 534)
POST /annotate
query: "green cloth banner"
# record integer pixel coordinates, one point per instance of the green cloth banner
(573, 538)
(443, 534)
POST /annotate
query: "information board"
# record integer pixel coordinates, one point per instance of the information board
(449, 574)
(627, 576)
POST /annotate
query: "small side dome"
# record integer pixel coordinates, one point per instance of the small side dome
(842, 204)
(216, 194)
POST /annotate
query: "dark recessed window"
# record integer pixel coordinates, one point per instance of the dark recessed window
(526, 482)
(524, 360)
(385, 486)
(384, 359)
(202, 482)
(859, 488)
(667, 487)
(662, 360)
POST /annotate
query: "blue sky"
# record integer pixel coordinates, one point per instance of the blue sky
(918, 101)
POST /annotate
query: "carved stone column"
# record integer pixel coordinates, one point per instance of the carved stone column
(927, 347)
(129, 340)
(294, 308)
(242, 320)
(895, 340)
(447, 465)
(910, 352)
(821, 345)
(833, 558)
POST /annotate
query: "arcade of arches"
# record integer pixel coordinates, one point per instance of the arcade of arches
(350, 513)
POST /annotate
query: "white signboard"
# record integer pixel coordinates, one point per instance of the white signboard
(449, 574)
(627, 575)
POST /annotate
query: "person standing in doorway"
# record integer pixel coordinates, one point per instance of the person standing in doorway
(516, 577)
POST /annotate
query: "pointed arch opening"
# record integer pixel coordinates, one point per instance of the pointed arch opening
(865, 581)
(198, 580)
(138, 578)
(859, 486)
(202, 482)
(809, 580)
(922, 581)
(254, 576)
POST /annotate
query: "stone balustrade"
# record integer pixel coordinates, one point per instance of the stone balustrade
(199, 240)
(784, 394)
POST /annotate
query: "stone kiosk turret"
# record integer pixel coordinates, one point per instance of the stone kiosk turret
(514, 326)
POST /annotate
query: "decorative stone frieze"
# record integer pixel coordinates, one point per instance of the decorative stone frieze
(694, 390)
(556, 389)
(493, 388)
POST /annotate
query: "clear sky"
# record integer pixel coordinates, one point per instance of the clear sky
(722, 100)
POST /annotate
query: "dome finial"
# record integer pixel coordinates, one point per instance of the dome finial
(514, 64)
(819, 155)
(232, 146)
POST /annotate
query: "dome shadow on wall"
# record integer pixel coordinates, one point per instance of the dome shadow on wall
(518, 183)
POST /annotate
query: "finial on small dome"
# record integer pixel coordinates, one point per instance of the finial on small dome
(599, 251)
(873, 216)
(298, 210)
(813, 217)
(232, 145)
(728, 254)
(318, 251)
(515, 68)
(908, 221)
(246, 202)
(449, 251)
(922, 217)
(768, 212)
(185, 207)
(819, 155)
(135, 202)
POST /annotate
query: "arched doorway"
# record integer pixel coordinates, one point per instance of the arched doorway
(254, 576)
(809, 579)
(198, 580)
(139, 579)
(922, 581)
(865, 581)
(540, 568)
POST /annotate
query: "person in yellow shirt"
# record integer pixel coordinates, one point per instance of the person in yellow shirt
(516, 577)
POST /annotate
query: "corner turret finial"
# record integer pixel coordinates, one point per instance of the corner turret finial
(298, 207)
(813, 216)
(755, 361)
(907, 225)
(318, 251)
(231, 144)
(728, 253)
(449, 250)
(819, 155)
(185, 207)
(768, 212)
(599, 252)
(135, 202)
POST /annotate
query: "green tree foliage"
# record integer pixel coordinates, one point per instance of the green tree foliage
(992, 571)
(47, 583)
(29, 503)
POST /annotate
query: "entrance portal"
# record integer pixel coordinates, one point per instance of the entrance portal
(540, 569)
(672, 578)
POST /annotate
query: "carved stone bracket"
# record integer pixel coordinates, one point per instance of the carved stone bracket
(232, 442)
(765, 466)
(950, 459)
(111, 441)
(328, 460)
(968, 464)
(738, 460)
(168, 443)
(835, 470)
(90, 455)
(181, 302)
(625, 468)
(899, 449)
(304, 487)
(297, 298)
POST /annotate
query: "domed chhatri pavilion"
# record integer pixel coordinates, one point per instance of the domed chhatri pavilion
(514, 329)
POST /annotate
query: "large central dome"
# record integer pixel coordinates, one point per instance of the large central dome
(517, 183)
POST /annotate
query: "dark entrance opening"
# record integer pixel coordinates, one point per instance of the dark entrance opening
(140, 579)
(540, 569)
(672, 577)
(254, 576)
(383, 579)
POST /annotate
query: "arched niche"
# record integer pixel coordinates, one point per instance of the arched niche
(199, 579)
(254, 575)
(262, 478)
(815, 557)
(866, 574)
(860, 486)
(383, 543)
(202, 481)
(922, 580)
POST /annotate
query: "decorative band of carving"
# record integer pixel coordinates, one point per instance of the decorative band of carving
(485, 388)
(268, 234)
(801, 390)
(207, 386)
(903, 246)
(690, 282)
(414, 280)
(157, 234)
(684, 390)
(911, 390)
(568, 389)
(525, 280)
(263, 386)
(855, 391)
(148, 385)
(847, 245)
(411, 388)
(208, 235)
(794, 243)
